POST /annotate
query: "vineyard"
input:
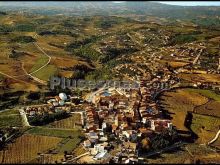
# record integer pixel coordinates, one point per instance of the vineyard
(26, 148)
(69, 123)
(79, 151)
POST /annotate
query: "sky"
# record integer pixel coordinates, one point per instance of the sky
(187, 3)
(192, 3)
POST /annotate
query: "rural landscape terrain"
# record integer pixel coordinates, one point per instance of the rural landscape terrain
(171, 52)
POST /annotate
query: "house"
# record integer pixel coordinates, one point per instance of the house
(101, 155)
(93, 135)
(87, 144)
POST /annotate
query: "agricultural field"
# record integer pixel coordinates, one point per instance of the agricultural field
(52, 143)
(74, 121)
(211, 107)
(207, 78)
(205, 107)
(26, 148)
(205, 127)
(179, 102)
(79, 151)
(62, 133)
(10, 118)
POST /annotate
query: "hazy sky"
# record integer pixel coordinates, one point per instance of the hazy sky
(192, 3)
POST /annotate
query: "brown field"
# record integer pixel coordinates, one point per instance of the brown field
(26, 147)
(211, 108)
(212, 78)
(176, 64)
(79, 151)
(64, 62)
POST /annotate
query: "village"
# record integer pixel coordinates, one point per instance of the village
(114, 120)
(119, 124)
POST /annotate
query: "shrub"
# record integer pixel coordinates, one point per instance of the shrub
(23, 39)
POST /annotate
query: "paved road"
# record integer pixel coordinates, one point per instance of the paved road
(91, 96)
(78, 157)
(215, 138)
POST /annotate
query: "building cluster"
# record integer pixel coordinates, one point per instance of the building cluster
(121, 117)
(55, 104)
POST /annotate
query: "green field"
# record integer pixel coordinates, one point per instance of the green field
(39, 63)
(63, 133)
(209, 123)
(46, 73)
(10, 118)
(70, 137)
(69, 144)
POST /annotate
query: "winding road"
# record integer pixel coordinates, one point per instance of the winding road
(215, 138)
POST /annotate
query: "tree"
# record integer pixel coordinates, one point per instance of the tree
(164, 139)
(145, 144)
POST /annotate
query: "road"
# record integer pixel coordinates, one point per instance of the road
(91, 96)
(14, 78)
(197, 57)
(215, 138)
(78, 157)
(218, 64)
(24, 118)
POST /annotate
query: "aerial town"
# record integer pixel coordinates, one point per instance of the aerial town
(109, 83)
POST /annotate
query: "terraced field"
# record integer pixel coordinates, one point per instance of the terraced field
(179, 102)
(203, 104)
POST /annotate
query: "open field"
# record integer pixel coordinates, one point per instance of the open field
(79, 151)
(211, 108)
(205, 127)
(26, 148)
(46, 73)
(69, 145)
